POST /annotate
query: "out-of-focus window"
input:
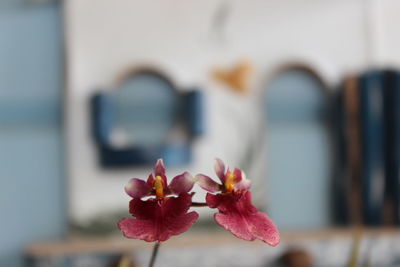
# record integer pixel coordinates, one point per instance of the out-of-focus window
(299, 154)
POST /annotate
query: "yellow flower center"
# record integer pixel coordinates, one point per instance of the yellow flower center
(230, 182)
(159, 186)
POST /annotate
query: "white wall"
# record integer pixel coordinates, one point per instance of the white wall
(105, 37)
(388, 31)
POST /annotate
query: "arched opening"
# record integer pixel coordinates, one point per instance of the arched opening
(146, 108)
(299, 149)
(145, 118)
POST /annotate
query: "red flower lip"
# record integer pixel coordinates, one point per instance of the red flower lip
(165, 213)
(236, 213)
(158, 220)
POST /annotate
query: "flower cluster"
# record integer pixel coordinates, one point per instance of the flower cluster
(165, 211)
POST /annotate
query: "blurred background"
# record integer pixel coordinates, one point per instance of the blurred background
(304, 96)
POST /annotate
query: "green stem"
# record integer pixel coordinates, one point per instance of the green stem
(199, 204)
(154, 254)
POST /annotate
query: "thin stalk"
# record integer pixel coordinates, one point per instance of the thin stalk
(199, 204)
(154, 254)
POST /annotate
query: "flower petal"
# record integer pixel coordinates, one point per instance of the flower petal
(235, 224)
(175, 206)
(159, 168)
(176, 220)
(177, 225)
(238, 174)
(224, 202)
(219, 168)
(158, 220)
(245, 184)
(213, 201)
(143, 209)
(182, 183)
(238, 215)
(137, 188)
(207, 183)
(138, 229)
(150, 180)
(264, 229)
(254, 226)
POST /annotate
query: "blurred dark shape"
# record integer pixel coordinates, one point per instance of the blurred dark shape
(366, 187)
(125, 261)
(296, 258)
(101, 225)
(83, 259)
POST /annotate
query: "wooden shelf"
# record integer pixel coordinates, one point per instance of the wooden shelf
(118, 244)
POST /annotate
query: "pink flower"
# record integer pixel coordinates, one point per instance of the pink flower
(165, 212)
(236, 211)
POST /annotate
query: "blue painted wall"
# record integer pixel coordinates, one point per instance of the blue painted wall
(32, 205)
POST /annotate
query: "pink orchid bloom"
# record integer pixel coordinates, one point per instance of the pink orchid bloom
(165, 212)
(236, 213)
